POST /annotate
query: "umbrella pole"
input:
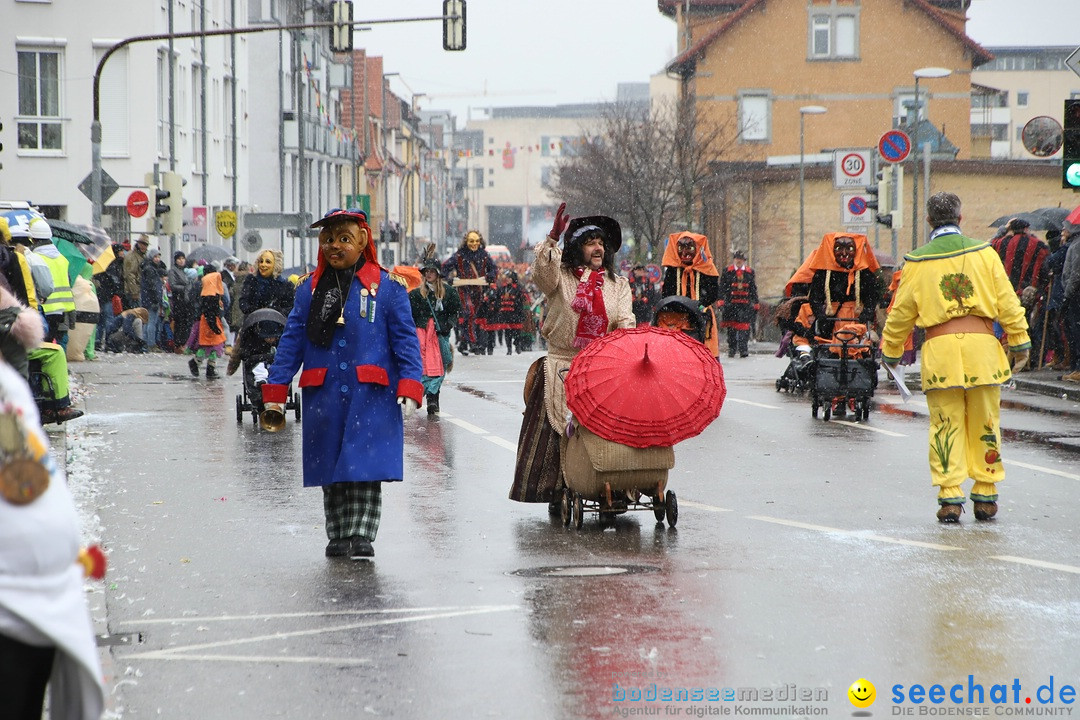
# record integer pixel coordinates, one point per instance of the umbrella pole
(1046, 316)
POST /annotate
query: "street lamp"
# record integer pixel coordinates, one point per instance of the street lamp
(926, 72)
(803, 112)
(384, 174)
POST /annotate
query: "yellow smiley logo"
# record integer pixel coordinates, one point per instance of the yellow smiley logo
(862, 693)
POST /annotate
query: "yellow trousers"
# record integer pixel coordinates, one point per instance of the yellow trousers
(965, 442)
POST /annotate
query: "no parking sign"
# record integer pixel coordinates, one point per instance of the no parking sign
(853, 210)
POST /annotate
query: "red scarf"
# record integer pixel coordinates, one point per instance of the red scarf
(589, 303)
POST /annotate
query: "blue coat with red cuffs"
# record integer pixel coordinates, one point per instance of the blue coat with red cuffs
(352, 425)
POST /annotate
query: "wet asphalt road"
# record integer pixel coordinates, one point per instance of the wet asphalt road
(806, 556)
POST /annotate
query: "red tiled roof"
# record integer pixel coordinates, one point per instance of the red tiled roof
(685, 61)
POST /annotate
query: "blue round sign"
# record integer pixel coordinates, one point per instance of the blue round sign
(856, 205)
(894, 146)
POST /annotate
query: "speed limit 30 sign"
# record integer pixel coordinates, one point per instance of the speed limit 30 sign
(851, 168)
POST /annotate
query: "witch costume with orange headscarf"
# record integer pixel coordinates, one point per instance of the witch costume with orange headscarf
(842, 287)
(693, 276)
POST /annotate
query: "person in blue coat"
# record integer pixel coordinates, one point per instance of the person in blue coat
(351, 329)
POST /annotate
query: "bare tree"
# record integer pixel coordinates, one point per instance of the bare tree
(645, 167)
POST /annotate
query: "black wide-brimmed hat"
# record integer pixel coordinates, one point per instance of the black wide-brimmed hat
(608, 226)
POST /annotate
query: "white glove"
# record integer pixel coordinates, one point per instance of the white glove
(408, 406)
(803, 349)
(260, 373)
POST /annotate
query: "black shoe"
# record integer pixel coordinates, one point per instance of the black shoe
(338, 548)
(211, 372)
(60, 416)
(193, 367)
(742, 355)
(360, 548)
(463, 350)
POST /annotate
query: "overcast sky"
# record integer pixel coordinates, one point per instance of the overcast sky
(532, 52)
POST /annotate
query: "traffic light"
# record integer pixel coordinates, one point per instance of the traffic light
(880, 198)
(341, 34)
(1070, 156)
(160, 206)
(453, 33)
(172, 202)
(897, 213)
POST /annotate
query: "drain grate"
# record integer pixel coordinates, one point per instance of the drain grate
(577, 571)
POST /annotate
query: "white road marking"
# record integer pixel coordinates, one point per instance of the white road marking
(871, 428)
(703, 506)
(852, 534)
(1037, 563)
(755, 404)
(262, 617)
(512, 447)
(893, 400)
(184, 652)
(466, 425)
(1040, 468)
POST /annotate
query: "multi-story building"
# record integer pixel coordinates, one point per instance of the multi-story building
(507, 164)
(1019, 84)
(796, 80)
(227, 114)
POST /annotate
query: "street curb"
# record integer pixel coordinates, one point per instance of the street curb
(1061, 390)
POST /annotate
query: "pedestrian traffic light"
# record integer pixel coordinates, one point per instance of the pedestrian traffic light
(173, 202)
(1070, 156)
(880, 198)
(453, 34)
(341, 34)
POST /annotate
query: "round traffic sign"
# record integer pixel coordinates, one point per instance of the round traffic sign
(856, 205)
(137, 203)
(853, 165)
(894, 146)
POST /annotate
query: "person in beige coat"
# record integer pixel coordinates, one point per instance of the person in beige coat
(585, 301)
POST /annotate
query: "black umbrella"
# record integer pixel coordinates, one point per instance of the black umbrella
(1036, 219)
(71, 233)
(1056, 216)
(209, 253)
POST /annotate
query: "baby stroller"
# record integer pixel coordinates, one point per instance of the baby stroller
(843, 373)
(796, 376)
(257, 343)
(676, 312)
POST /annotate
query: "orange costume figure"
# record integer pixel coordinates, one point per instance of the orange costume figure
(843, 289)
(211, 333)
(689, 271)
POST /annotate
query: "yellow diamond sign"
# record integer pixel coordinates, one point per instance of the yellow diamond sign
(226, 223)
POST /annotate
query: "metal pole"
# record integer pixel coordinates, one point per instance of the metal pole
(232, 129)
(915, 173)
(802, 191)
(301, 160)
(385, 180)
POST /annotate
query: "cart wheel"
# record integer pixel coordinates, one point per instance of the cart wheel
(296, 409)
(779, 386)
(814, 408)
(658, 508)
(579, 511)
(566, 507)
(827, 412)
(671, 509)
(866, 409)
(239, 409)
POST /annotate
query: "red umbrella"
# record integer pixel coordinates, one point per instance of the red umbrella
(645, 387)
(1073, 218)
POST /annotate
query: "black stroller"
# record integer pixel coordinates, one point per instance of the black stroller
(797, 374)
(844, 376)
(256, 343)
(676, 312)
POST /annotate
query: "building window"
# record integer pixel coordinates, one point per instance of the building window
(754, 120)
(38, 123)
(833, 30)
(1021, 98)
(478, 177)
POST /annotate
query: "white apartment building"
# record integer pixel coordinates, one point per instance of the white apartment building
(230, 130)
(1020, 84)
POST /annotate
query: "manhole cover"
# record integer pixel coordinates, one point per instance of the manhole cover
(585, 570)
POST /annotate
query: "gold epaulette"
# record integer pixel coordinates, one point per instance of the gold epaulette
(400, 279)
(300, 280)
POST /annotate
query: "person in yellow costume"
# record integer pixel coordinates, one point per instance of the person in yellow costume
(955, 287)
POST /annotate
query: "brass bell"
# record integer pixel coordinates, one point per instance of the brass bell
(272, 418)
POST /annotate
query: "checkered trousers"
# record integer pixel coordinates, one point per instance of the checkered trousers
(352, 508)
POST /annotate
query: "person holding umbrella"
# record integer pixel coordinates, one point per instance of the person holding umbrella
(586, 300)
